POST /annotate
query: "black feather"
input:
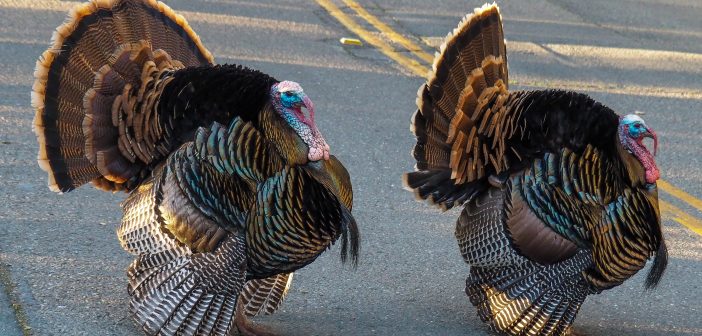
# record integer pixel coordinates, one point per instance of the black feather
(350, 235)
(198, 96)
(660, 263)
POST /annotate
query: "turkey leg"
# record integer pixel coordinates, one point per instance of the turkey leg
(246, 326)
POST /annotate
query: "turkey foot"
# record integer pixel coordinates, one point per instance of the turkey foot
(572, 332)
(246, 326)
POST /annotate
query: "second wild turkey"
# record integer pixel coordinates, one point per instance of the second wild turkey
(558, 192)
(231, 184)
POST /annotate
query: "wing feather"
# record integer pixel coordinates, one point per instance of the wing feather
(264, 296)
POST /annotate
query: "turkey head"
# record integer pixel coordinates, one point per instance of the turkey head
(632, 131)
(289, 100)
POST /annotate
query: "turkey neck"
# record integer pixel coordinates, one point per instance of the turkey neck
(633, 169)
(633, 238)
(286, 141)
(635, 172)
(198, 96)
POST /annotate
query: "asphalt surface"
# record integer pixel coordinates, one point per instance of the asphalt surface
(61, 264)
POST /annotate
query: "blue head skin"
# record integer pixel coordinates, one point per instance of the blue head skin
(632, 131)
(289, 100)
(635, 125)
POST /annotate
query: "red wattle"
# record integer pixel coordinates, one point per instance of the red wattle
(646, 159)
(652, 175)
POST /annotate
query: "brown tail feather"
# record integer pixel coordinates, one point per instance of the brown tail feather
(469, 73)
(477, 39)
(103, 47)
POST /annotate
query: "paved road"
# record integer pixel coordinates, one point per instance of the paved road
(60, 261)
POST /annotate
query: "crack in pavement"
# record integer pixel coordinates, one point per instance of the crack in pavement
(10, 290)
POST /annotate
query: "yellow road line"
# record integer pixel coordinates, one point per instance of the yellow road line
(364, 34)
(678, 215)
(391, 34)
(680, 194)
(668, 210)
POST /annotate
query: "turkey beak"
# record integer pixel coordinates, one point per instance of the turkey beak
(652, 134)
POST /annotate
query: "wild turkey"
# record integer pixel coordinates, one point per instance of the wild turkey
(229, 178)
(558, 192)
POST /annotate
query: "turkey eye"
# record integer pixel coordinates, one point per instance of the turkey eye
(288, 94)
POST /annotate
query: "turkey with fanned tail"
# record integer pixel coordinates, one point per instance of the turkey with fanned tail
(558, 192)
(231, 185)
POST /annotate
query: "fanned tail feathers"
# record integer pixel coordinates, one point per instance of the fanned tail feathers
(469, 73)
(95, 89)
(436, 187)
